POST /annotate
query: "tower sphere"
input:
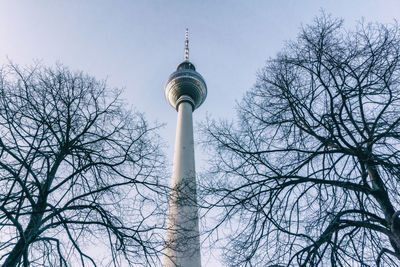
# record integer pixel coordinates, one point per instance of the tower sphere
(185, 84)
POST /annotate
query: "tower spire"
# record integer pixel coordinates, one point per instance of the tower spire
(186, 56)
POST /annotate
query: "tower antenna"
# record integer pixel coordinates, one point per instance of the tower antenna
(186, 56)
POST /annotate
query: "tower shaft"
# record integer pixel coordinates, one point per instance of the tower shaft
(182, 244)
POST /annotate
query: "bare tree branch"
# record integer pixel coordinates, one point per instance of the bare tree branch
(309, 174)
(77, 171)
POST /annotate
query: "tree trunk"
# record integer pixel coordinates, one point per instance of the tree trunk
(29, 235)
(392, 219)
(395, 228)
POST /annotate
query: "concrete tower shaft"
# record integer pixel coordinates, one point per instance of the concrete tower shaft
(185, 90)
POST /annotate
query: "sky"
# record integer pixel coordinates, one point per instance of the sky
(135, 45)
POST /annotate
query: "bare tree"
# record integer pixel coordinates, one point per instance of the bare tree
(310, 173)
(79, 173)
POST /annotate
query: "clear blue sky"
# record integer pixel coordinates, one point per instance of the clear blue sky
(137, 44)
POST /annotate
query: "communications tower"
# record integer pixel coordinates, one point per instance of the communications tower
(185, 91)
